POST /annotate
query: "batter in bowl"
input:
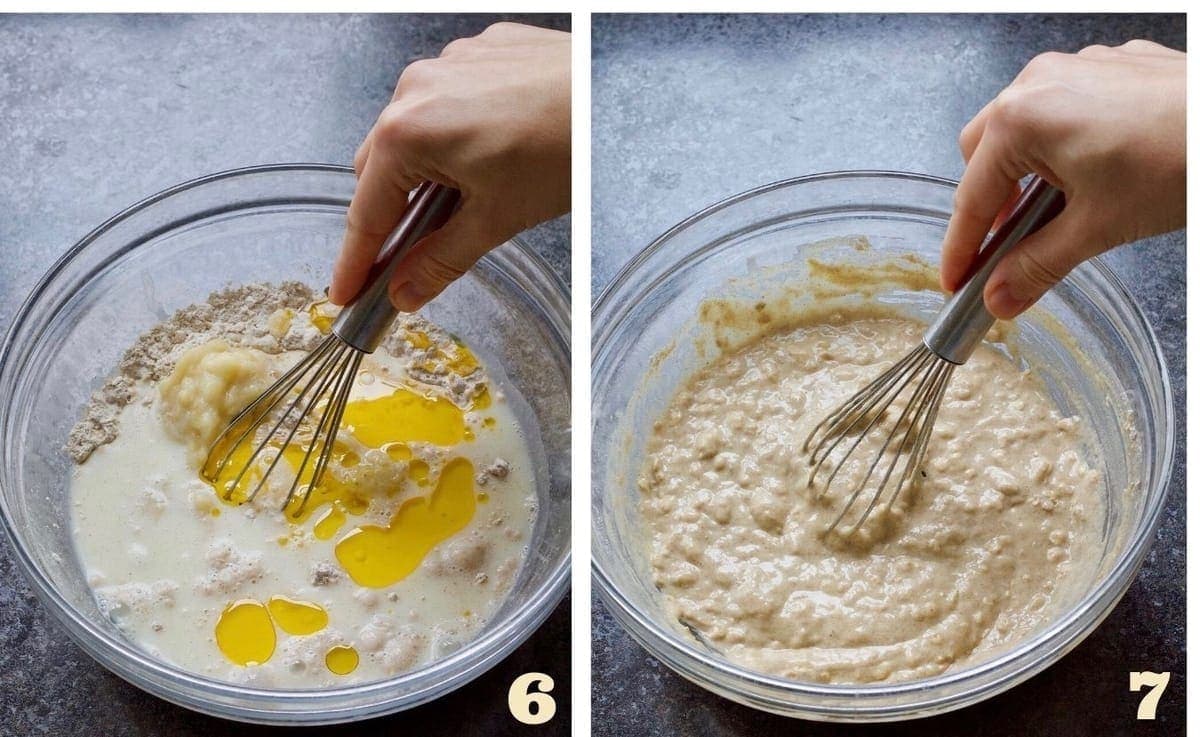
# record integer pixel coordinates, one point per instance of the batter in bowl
(971, 559)
(411, 541)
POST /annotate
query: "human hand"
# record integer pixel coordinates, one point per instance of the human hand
(1107, 127)
(490, 117)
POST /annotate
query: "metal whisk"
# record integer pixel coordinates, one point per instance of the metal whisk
(326, 375)
(925, 372)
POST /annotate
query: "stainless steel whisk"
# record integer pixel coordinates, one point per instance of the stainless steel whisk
(957, 330)
(328, 371)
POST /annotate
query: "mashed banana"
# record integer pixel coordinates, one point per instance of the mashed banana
(210, 384)
(1002, 518)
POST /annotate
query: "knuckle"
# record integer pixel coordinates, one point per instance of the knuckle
(1140, 45)
(406, 124)
(457, 46)
(1036, 272)
(1095, 51)
(502, 28)
(416, 74)
(963, 140)
(436, 271)
(1011, 110)
(1046, 62)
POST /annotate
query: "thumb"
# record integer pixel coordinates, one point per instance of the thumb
(1039, 262)
(442, 256)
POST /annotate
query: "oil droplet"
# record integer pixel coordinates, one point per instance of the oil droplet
(215, 512)
(417, 339)
(341, 659)
(468, 434)
(330, 522)
(483, 497)
(297, 617)
(482, 400)
(380, 556)
(418, 471)
(349, 459)
(489, 421)
(282, 540)
(460, 359)
(245, 633)
(398, 451)
(404, 416)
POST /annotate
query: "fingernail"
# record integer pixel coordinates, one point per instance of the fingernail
(409, 297)
(1005, 304)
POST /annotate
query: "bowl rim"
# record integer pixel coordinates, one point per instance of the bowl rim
(1068, 625)
(123, 657)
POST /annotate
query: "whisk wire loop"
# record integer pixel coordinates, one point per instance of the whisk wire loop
(326, 433)
(870, 403)
(326, 374)
(270, 435)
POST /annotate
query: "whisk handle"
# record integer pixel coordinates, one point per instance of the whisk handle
(964, 320)
(365, 320)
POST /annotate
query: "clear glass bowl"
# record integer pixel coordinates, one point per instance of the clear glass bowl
(1123, 396)
(266, 223)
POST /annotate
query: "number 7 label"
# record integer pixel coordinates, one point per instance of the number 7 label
(1158, 683)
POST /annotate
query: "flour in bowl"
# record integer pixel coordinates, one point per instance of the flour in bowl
(407, 547)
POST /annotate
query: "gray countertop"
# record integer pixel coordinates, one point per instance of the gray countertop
(689, 110)
(97, 112)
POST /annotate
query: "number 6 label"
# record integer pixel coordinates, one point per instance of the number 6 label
(534, 706)
(1157, 682)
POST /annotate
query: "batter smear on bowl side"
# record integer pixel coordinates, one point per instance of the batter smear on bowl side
(410, 542)
(1002, 518)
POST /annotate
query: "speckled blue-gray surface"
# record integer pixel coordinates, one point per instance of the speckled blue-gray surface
(97, 112)
(689, 110)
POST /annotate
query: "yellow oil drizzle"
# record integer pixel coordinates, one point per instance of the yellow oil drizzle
(245, 634)
(341, 659)
(404, 416)
(387, 422)
(330, 522)
(297, 617)
(380, 556)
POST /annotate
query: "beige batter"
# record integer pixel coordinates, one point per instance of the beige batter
(970, 560)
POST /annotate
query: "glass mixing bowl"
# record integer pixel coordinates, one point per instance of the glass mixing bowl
(270, 224)
(647, 339)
